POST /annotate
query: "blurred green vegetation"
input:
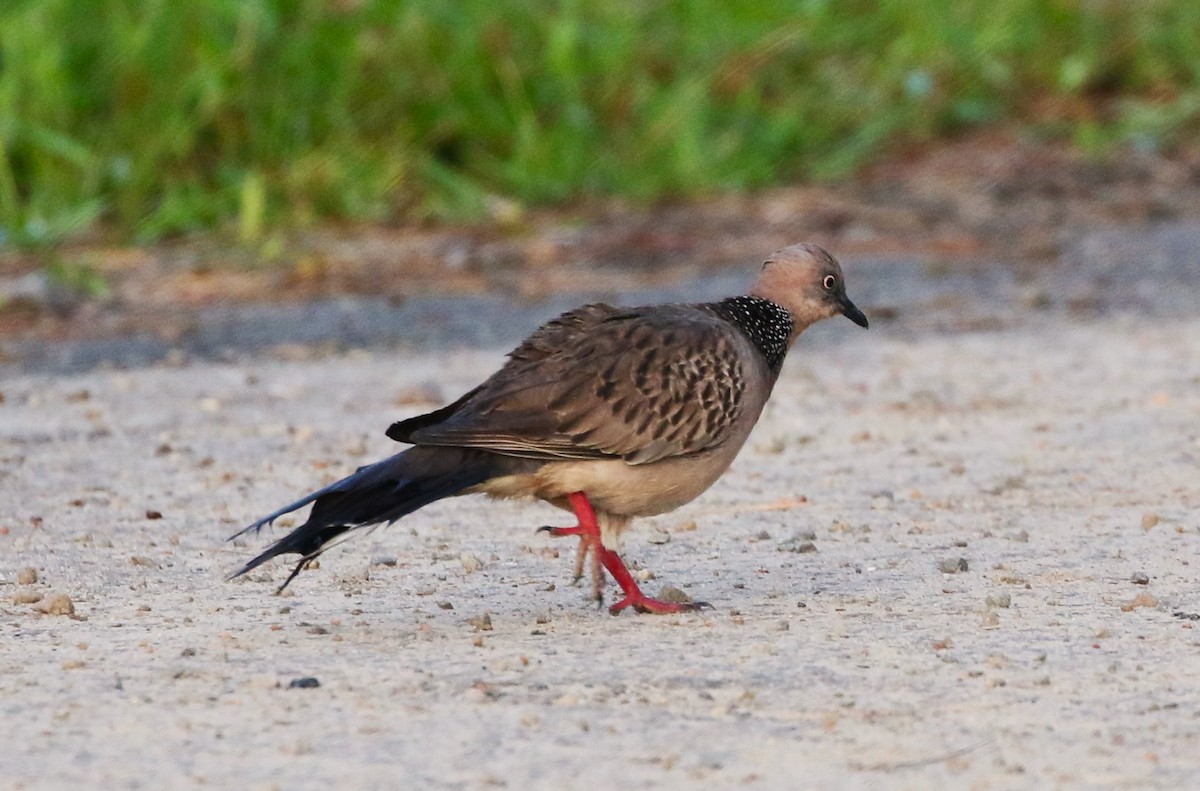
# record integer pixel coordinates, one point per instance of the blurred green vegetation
(147, 118)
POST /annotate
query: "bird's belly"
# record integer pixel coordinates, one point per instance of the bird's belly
(623, 489)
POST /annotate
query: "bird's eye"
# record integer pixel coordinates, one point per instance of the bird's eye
(829, 281)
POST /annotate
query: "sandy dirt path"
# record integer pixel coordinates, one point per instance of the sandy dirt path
(1054, 468)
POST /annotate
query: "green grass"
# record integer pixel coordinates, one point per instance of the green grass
(147, 118)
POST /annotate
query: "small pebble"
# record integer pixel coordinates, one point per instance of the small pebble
(674, 596)
(1141, 600)
(445, 605)
(1149, 520)
(990, 620)
(27, 576)
(800, 543)
(1140, 578)
(304, 682)
(154, 514)
(1001, 600)
(659, 537)
(952, 565)
(26, 597)
(482, 623)
(383, 560)
(56, 604)
(470, 562)
(142, 560)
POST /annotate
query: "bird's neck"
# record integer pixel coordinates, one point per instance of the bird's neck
(767, 325)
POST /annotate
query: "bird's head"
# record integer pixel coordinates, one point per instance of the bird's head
(807, 281)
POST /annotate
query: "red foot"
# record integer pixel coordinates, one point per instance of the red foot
(633, 594)
(588, 531)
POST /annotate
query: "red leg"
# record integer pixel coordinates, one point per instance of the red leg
(585, 544)
(588, 530)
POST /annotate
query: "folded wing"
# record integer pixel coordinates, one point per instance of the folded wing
(600, 382)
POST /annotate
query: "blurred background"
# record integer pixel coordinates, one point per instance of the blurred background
(159, 159)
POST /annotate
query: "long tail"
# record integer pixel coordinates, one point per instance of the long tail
(378, 493)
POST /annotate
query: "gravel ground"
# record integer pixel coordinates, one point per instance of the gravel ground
(961, 560)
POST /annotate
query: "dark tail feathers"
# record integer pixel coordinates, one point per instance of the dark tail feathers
(380, 492)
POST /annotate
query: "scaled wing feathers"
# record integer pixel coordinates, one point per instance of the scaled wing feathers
(601, 382)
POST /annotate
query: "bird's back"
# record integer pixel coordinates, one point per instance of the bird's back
(637, 384)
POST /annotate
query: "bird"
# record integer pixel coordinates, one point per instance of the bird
(610, 412)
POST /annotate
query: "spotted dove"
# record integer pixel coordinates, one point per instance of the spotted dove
(610, 412)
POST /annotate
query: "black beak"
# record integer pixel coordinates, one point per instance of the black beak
(853, 313)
